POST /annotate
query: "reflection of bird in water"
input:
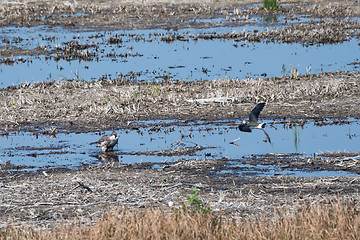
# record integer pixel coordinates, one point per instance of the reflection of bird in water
(107, 142)
(247, 126)
(108, 157)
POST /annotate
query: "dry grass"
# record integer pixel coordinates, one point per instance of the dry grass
(88, 102)
(327, 220)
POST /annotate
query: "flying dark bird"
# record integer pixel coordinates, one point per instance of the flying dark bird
(247, 126)
(107, 142)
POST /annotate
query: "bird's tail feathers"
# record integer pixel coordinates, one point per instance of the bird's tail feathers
(261, 125)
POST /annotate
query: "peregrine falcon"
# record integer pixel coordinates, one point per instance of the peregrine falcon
(107, 142)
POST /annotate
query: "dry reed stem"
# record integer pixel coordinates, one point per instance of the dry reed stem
(327, 220)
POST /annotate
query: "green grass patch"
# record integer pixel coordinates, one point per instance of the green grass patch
(271, 5)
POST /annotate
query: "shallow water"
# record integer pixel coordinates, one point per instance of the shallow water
(189, 60)
(154, 59)
(264, 171)
(72, 149)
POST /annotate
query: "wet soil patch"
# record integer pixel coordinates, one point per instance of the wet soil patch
(172, 152)
(47, 198)
(166, 15)
(347, 161)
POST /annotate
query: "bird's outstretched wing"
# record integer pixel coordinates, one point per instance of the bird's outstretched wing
(253, 117)
(102, 139)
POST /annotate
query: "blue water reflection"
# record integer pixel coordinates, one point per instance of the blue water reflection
(155, 59)
(73, 150)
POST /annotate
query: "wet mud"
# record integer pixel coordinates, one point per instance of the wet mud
(46, 198)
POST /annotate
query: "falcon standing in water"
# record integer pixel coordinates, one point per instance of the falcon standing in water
(107, 142)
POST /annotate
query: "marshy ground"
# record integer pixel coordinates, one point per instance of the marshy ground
(49, 196)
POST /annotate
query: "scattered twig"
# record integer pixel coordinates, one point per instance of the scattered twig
(176, 185)
(214, 100)
(181, 184)
(83, 186)
(233, 142)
